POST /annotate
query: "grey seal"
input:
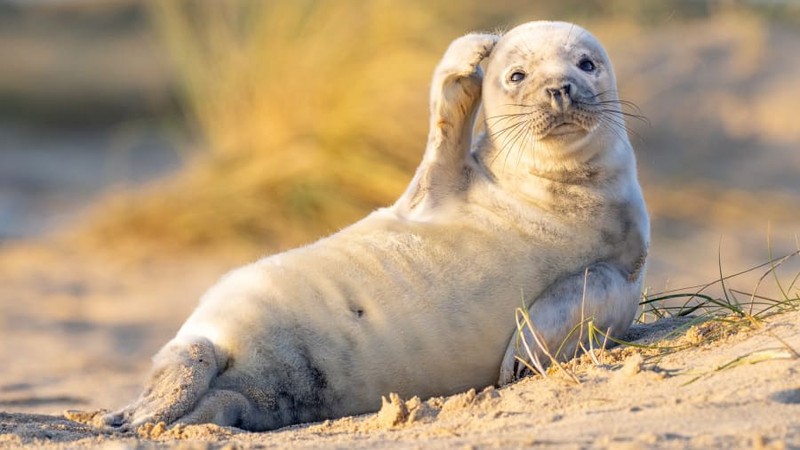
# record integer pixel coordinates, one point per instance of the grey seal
(543, 209)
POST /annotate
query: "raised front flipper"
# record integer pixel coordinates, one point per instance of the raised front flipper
(455, 95)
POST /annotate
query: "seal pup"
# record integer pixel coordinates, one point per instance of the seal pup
(419, 298)
(557, 150)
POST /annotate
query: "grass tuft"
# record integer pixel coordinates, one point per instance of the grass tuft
(310, 113)
(703, 318)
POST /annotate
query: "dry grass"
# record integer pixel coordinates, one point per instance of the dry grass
(311, 114)
(704, 318)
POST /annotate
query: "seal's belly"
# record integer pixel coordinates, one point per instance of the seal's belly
(420, 310)
(413, 315)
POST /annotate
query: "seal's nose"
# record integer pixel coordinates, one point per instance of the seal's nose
(560, 97)
(563, 90)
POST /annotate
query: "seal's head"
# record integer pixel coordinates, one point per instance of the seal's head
(550, 93)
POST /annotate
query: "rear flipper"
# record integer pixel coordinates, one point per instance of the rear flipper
(182, 372)
(225, 408)
(604, 294)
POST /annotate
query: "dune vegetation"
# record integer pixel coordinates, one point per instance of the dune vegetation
(311, 113)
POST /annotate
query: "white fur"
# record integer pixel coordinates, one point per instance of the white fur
(417, 298)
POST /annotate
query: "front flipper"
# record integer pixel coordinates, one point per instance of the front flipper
(604, 294)
(182, 372)
(455, 95)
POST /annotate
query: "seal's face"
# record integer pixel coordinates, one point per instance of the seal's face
(549, 84)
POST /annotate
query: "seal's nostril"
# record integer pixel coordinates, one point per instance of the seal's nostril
(562, 91)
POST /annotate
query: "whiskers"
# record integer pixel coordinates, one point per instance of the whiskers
(520, 130)
(613, 113)
(516, 130)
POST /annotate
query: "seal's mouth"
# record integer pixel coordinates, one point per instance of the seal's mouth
(573, 123)
(565, 128)
(540, 123)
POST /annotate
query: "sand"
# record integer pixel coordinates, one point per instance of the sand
(78, 330)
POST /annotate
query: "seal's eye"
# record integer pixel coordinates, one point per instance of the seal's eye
(586, 65)
(516, 77)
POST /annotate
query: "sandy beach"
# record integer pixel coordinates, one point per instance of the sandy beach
(721, 386)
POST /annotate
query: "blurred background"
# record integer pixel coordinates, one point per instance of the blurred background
(146, 147)
(253, 126)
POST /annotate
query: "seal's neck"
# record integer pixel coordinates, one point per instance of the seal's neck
(583, 161)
